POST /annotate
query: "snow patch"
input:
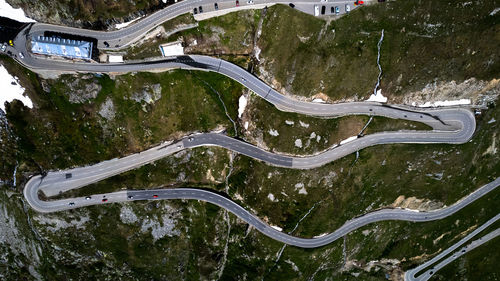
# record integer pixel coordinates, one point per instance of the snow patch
(492, 121)
(318, 100)
(378, 97)
(246, 125)
(349, 139)
(242, 104)
(7, 11)
(277, 228)
(288, 122)
(298, 143)
(11, 89)
(443, 103)
(273, 132)
(125, 24)
(494, 12)
(303, 191)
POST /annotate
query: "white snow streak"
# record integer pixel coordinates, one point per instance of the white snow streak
(242, 104)
(7, 11)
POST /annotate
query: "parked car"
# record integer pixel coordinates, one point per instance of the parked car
(347, 8)
(201, 9)
(216, 6)
(359, 2)
(155, 196)
(250, 2)
(88, 198)
(237, 3)
(104, 199)
(291, 5)
(130, 197)
(4, 47)
(323, 10)
(195, 11)
(21, 55)
(337, 10)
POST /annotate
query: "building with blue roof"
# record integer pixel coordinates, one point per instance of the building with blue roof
(55, 46)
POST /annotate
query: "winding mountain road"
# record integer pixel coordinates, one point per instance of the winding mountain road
(451, 125)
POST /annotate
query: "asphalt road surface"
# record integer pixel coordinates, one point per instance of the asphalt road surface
(411, 274)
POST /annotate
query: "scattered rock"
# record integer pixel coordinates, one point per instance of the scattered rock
(107, 110)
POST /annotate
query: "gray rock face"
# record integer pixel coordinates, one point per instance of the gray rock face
(150, 94)
(127, 215)
(165, 226)
(82, 89)
(107, 110)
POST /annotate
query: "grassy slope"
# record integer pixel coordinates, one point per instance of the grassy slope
(339, 59)
(198, 252)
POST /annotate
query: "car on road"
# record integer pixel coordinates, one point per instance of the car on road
(155, 196)
(4, 47)
(195, 11)
(104, 199)
(347, 8)
(237, 3)
(337, 10)
(216, 6)
(130, 197)
(88, 198)
(291, 5)
(106, 44)
(72, 203)
(250, 2)
(190, 139)
(21, 55)
(201, 9)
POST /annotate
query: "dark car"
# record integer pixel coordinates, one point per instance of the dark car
(130, 197)
(195, 11)
(88, 198)
(72, 203)
(216, 6)
(237, 3)
(106, 44)
(291, 5)
(201, 9)
(323, 10)
(104, 199)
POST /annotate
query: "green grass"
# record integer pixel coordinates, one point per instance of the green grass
(339, 58)
(264, 118)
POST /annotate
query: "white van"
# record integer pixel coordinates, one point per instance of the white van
(316, 10)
